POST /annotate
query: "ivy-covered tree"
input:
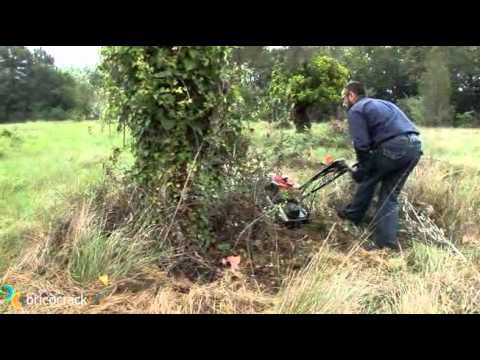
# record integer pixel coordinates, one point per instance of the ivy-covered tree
(174, 100)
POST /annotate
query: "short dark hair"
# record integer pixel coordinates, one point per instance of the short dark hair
(356, 87)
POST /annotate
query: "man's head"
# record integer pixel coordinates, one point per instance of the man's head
(352, 92)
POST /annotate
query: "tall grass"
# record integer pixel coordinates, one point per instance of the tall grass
(426, 277)
(452, 196)
(423, 280)
(92, 253)
(41, 163)
(323, 287)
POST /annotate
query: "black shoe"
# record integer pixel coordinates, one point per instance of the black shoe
(374, 247)
(371, 247)
(394, 247)
(343, 215)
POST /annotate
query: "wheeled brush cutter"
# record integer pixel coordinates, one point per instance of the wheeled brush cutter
(289, 201)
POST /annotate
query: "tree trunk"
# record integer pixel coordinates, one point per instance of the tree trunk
(301, 119)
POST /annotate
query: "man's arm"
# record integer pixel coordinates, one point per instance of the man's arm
(358, 128)
(357, 124)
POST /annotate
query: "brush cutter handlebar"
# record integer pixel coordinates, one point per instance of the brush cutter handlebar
(292, 211)
(326, 176)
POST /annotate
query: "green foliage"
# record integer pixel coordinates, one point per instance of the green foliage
(31, 87)
(247, 94)
(395, 72)
(295, 56)
(176, 102)
(258, 60)
(320, 81)
(278, 99)
(436, 89)
(170, 98)
(316, 83)
(391, 72)
(94, 255)
(15, 70)
(40, 164)
(413, 108)
(56, 113)
(466, 119)
(84, 90)
(293, 149)
(279, 79)
(464, 69)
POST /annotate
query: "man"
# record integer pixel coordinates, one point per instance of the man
(388, 148)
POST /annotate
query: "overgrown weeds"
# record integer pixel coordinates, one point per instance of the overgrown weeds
(113, 230)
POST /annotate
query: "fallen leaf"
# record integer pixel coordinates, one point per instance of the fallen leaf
(103, 279)
(234, 262)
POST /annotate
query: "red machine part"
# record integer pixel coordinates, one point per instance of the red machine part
(282, 181)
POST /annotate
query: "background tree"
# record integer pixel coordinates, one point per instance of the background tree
(386, 70)
(317, 83)
(464, 64)
(278, 99)
(51, 92)
(436, 89)
(15, 71)
(85, 92)
(32, 87)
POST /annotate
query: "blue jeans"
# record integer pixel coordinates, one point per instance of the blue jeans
(391, 165)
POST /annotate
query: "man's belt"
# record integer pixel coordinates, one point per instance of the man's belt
(408, 134)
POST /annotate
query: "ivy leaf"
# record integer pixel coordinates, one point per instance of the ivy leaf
(168, 124)
(189, 64)
(196, 127)
(163, 74)
(224, 247)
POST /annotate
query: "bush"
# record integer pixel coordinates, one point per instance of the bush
(56, 113)
(282, 125)
(466, 119)
(337, 135)
(76, 114)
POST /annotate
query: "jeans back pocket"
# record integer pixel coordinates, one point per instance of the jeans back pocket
(396, 148)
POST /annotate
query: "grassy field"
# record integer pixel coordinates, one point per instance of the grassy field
(456, 146)
(42, 163)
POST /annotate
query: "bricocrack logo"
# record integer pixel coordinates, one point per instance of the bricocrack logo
(8, 294)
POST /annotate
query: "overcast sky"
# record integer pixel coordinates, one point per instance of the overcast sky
(77, 56)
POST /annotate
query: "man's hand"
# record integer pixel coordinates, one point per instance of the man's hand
(359, 175)
(362, 169)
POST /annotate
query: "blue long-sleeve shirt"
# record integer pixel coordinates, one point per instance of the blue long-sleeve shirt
(372, 121)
